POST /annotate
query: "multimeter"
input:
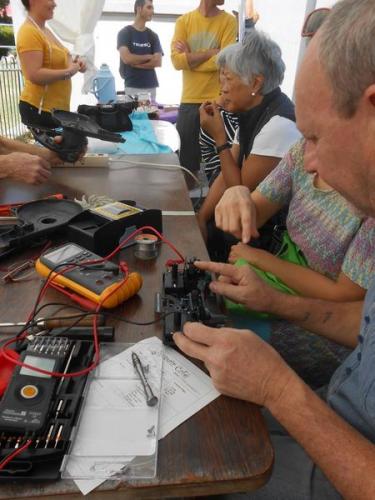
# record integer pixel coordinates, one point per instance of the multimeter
(96, 282)
(26, 403)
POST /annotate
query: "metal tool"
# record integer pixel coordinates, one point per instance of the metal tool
(48, 323)
(151, 399)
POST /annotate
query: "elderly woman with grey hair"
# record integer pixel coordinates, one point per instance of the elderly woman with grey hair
(253, 71)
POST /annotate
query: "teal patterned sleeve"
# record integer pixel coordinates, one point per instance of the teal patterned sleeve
(277, 187)
(359, 262)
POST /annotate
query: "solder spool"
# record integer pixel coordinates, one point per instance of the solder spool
(146, 247)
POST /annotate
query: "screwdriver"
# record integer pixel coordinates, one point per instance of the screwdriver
(48, 323)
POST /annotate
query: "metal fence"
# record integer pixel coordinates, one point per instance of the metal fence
(11, 83)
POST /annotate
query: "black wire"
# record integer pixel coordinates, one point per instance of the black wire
(84, 314)
(36, 310)
(104, 312)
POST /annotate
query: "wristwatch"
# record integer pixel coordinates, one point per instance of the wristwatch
(221, 148)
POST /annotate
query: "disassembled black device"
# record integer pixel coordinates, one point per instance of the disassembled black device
(186, 296)
(75, 130)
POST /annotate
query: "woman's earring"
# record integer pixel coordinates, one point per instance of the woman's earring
(253, 94)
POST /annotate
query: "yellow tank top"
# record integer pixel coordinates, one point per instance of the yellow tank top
(56, 94)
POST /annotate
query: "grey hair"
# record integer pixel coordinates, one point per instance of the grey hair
(347, 52)
(256, 55)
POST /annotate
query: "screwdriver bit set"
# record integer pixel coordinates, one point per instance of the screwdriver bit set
(41, 409)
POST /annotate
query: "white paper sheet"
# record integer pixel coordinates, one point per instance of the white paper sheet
(185, 390)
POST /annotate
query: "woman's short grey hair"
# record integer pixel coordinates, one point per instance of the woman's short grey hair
(256, 55)
(347, 52)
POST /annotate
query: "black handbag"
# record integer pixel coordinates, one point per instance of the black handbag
(113, 117)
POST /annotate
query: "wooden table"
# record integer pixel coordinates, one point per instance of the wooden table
(223, 448)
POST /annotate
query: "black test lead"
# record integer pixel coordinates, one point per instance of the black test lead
(151, 399)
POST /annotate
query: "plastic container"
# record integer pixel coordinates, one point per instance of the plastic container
(103, 85)
(6, 369)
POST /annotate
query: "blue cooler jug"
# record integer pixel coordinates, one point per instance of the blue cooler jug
(103, 85)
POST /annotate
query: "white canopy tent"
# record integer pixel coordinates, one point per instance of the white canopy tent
(75, 21)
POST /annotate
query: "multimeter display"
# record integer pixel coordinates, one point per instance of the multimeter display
(27, 400)
(64, 253)
(102, 282)
(95, 278)
(47, 364)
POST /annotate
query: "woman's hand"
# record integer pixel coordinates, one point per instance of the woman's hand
(82, 63)
(211, 122)
(242, 251)
(236, 213)
(73, 68)
(255, 256)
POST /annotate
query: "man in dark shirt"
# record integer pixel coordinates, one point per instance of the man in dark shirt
(140, 52)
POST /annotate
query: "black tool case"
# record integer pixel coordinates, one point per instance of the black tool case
(42, 460)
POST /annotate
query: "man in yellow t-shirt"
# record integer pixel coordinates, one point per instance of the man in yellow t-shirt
(199, 36)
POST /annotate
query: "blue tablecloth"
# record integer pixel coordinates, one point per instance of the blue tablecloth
(142, 139)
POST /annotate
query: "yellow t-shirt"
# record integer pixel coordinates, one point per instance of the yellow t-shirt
(56, 94)
(201, 33)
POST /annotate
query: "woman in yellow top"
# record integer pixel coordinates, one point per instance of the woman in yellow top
(47, 66)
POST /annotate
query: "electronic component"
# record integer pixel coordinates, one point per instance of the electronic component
(41, 409)
(75, 130)
(26, 403)
(186, 297)
(98, 282)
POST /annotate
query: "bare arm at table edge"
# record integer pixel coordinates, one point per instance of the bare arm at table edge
(244, 366)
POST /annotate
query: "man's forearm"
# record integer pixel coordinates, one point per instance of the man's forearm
(146, 65)
(337, 321)
(344, 455)
(194, 59)
(132, 59)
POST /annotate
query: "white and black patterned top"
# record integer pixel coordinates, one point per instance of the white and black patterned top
(209, 156)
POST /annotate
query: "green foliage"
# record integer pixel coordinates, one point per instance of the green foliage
(6, 35)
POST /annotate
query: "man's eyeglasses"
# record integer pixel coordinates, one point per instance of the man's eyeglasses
(313, 21)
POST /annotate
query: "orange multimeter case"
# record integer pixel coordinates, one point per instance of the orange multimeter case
(96, 282)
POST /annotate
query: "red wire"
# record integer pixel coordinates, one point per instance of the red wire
(53, 276)
(14, 454)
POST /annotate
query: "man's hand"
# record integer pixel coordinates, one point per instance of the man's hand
(240, 363)
(236, 214)
(50, 156)
(25, 167)
(212, 122)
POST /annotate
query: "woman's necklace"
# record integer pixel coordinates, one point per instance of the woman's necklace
(42, 30)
